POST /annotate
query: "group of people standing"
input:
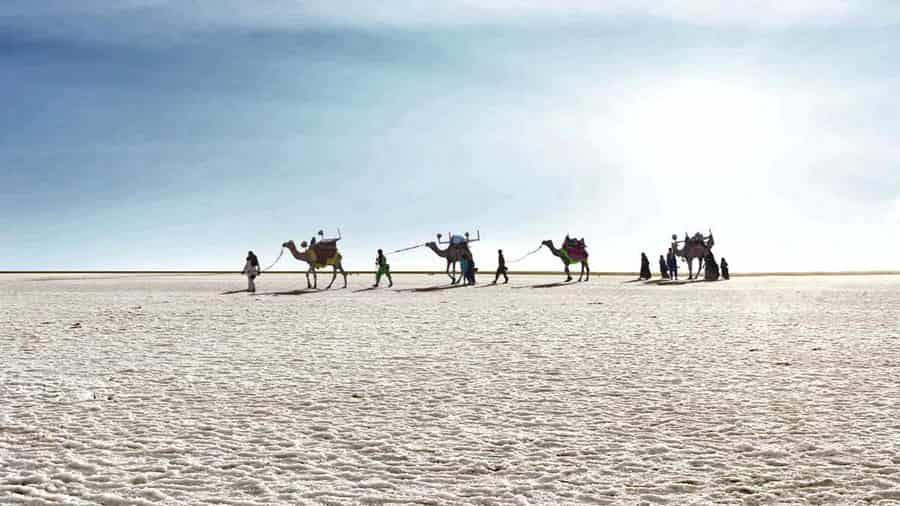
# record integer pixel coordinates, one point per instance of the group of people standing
(668, 267)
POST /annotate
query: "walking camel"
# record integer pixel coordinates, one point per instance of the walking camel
(697, 246)
(573, 252)
(457, 248)
(318, 255)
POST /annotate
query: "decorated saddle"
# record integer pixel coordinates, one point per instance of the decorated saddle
(323, 251)
(575, 249)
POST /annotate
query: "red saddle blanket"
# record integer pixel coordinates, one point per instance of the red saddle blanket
(576, 250)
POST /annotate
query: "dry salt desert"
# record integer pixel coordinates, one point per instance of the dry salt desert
(166, 389)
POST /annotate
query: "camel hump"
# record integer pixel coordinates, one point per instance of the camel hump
(576, 250)
(325, 250)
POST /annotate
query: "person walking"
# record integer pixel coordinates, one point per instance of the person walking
(383, 269)
(725, 273)
(251, 270)
(501, 268)
(645, 267)
(673, 265)
(663, 267)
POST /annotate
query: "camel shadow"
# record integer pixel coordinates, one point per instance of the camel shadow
(369, 289)
(302, 291)
(232, 292)
(551, 285)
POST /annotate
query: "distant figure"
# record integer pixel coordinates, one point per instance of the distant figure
(251, 270)
(673, 264)
(663, 267)
(501, 268)
(725, 274)
(645, 267)
(383, 269)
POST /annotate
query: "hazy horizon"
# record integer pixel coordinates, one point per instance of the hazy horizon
(151, 134)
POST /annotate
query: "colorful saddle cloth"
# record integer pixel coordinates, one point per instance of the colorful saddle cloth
(576, 250)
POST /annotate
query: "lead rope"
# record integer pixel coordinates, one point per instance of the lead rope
(526, 255)
(405, 249)
(275, 262)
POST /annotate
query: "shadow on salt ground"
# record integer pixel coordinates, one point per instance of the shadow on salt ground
(677, 282)
(488, 285)
(232, 292)
(431, 288)
(302, 291)
(551, 285)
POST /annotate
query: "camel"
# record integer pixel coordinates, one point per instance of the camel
(698, 247)
(570, 257)
(318, 255)
(453, 253)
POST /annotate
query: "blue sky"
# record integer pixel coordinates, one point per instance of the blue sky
(177, 135)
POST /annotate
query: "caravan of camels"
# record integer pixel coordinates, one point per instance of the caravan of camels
(323, 252)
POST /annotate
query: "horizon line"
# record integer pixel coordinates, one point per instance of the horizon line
(434, 273)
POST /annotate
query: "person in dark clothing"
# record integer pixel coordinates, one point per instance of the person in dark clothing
(383, 269)
(725, 273)
(645, 267)
(470, 271)
(712, 268)
(501, 268)
(663, 267)
(673, 264)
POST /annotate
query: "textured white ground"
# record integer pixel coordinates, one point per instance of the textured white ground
(162, 390)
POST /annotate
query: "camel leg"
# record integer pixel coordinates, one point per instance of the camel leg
(344, 274)
(451, 276)
(568, 275)
(333, 277)
(307, 280)
(690, 268)
(587, 270)
(315, 278)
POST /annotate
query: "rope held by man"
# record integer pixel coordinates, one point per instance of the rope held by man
(275, 262)
(526, 255)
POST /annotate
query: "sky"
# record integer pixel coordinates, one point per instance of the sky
(155, 134)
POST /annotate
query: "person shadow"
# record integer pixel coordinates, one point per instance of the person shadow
(232, 292)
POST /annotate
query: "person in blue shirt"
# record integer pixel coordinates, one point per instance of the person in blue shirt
(673, 265)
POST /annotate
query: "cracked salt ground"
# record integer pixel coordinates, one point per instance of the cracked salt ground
(769, 390)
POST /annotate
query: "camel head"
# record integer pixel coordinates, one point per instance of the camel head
(289, 244)
(431, 244)
(548, 243)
